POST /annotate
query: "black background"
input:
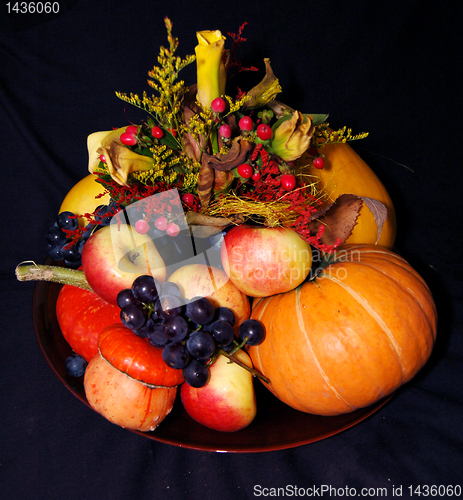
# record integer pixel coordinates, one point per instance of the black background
(388, 67)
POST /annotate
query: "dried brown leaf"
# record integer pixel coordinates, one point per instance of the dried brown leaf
(235, 156)
(339, 219)
(205, 184)
(379, 212)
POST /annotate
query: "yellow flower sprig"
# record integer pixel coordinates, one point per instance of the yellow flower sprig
(165, 108)
(200, 125)
(190, 181)
(236, 105)
(342, 135)
(163, 78)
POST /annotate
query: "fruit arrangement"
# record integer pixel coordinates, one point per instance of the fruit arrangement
(226, 241)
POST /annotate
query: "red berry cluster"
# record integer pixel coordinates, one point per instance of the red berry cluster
(271, 185)
(129, 137)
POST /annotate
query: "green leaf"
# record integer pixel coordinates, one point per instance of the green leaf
(169, 140)
(318, 119)
(180, 169)
(280, 121)
(143, 151)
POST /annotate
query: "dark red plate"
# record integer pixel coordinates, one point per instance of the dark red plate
(276, 426)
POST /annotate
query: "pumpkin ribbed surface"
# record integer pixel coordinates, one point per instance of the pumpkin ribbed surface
(349, 338)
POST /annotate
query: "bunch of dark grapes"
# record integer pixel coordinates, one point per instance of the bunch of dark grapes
(66, 240)
(60, 245)
(190, 332)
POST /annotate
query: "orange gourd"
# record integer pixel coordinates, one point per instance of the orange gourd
(123, 400)
(365, 326)
(345, 172)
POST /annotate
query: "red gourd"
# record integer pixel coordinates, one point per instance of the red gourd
(136, 357)
(365, 326)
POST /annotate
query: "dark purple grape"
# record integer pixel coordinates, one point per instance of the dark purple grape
(175, 328)
(80, 245)
(229, 348)
(252, 330)
(125, 297)
(176, 355)
(156, 335)
(55, 236)
(89, 230)
(75, 365)
(222, 332)
(73, 264)
(169, 288)
(200, 310)
(99, 211)
(201, 345)
(225, 314)
(67, 220)
(168, 305)
(70, 253)
(54, 251)
(196, 374)
(133, 317)
(145, 288)
(145, 330)
(103, 215)
(114, 206)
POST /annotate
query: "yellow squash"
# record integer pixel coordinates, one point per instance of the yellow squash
(346, 173)
(82, 198)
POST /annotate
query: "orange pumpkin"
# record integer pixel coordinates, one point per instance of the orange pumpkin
(345, 172)
(361, 329)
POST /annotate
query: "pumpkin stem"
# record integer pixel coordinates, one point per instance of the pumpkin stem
(30, 271)
(253, 372)
(326, 260)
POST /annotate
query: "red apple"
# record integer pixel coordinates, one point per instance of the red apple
(227, 402)
(123, 400)
(263, 261)
(196, 280)
(115, 255)
(81, 316)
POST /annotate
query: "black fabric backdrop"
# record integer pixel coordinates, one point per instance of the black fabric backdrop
(391, 68)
